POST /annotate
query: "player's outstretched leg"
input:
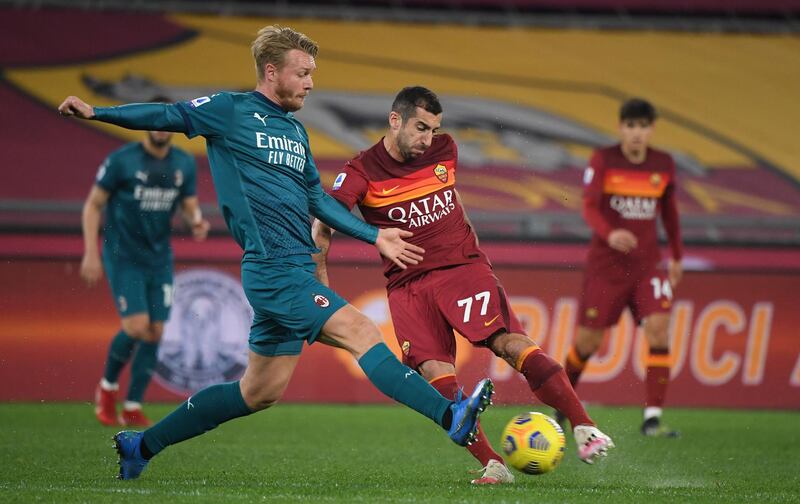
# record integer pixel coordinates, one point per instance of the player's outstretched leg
(493, 469)
(550, 384)
(200, 413)
(407, 387)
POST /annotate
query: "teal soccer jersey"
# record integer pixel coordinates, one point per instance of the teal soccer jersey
(263, 171)
(143, 194)
(267, 185)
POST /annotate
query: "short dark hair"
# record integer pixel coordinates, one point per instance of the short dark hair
(637, 108)
(409, 98)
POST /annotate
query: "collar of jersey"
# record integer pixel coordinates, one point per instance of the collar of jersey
(272, 104)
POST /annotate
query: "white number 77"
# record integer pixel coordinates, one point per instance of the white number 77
(467, 302)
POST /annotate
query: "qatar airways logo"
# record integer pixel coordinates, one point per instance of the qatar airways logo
(423, 211)
(635, 207)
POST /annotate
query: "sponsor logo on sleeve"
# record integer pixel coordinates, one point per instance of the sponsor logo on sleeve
(199, 101)
(101, 172)
(339, 181)
(588, 175)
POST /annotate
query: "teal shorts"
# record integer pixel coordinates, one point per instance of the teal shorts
(290, 305)
(140, 289)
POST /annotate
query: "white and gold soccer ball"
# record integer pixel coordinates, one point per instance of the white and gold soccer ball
(533, 443)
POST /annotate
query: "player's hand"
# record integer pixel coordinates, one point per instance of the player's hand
(675, 272)
(200, 230)
(91, 269)
(74, 106)
(391, 245)
(622, 240)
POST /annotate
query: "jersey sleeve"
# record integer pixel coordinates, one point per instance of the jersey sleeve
(107, 177)
(350, 186)
(670, 217)
(331, 212)
(143, 116)
(593, 196)
(189, 187)
(208, 116)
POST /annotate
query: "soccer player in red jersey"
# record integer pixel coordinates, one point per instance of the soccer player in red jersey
(407, 180)
(627, 186)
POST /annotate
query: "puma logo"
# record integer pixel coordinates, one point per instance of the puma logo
(487, 324)
(262, 119)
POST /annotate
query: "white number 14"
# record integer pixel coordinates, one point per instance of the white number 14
(661, 288)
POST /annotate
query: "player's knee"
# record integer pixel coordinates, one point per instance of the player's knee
(509, 346)
(258, 399)
(588, 340)
(366, 333)
(657, 331)
(432, 369)
(138, 330)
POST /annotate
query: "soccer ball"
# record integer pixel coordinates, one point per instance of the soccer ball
(533, 443)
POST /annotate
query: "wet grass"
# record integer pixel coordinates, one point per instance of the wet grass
(325, 453)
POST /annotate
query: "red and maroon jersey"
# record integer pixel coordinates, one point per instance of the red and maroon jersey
(418, 196)
(621, 194)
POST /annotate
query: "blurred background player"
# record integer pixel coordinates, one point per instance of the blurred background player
(267, 184)
(140, 186)
(408, 179)
(626, 187)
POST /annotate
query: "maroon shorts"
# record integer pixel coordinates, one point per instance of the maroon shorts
(606, 293)
(467, 298)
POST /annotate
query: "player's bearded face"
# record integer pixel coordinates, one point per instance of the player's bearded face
(293, 80)
(635, 133)
(416, 134)
(159, 138)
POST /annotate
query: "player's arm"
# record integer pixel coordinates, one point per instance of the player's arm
(619, 239)
(672, 225)
(91, 266)
(193, 217)
(137, 116)
(321, 233)
(388, 241)
(349, 189)
(466, 217)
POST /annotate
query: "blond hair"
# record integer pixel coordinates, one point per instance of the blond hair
(273, 42)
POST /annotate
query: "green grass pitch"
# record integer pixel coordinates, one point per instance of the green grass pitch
(341, 453)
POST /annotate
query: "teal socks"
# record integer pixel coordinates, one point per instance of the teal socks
(142, 367)
(403, 384)
(119, 353)
(200, 413)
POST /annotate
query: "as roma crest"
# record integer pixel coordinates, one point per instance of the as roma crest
(441, 172)
(655, 179)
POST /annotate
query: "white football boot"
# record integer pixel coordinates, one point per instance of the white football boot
(592, 444)
(494, 473)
